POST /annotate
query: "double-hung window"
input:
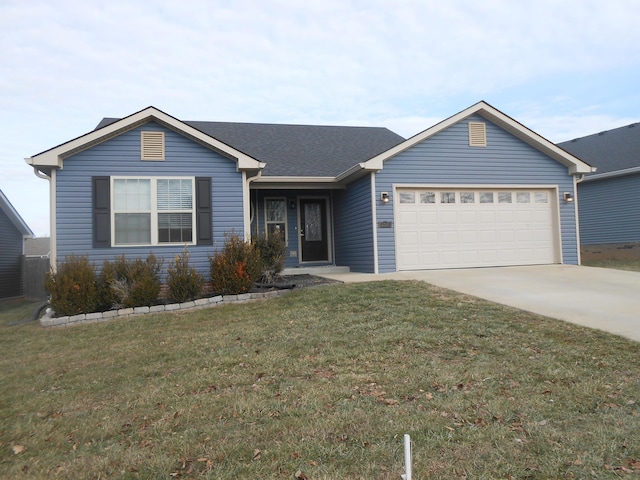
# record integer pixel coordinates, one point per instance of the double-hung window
(276, 216)
(153, 210)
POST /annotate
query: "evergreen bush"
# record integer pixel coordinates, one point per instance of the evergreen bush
(73, 288)
(272, 255)
(130, 283)
(184, 283)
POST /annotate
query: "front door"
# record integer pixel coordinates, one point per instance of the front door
(313, 230)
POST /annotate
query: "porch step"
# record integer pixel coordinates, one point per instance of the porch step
(322, 270)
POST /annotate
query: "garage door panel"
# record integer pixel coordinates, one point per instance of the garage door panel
(410, 239)
(470, 256)
(541, 236)
(407, 217)
(469, 237)
(468, 217)
(524, 235)
(452, 258)
(487, 216)
(541, 217)
(428, 218)
(448, 217)
(489, 256)
(488, 236)
(506, 236)
(449, 235)
(447, 238)
(504, 216)
(428, 238)
(428, 258)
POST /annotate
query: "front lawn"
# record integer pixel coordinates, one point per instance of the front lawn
(322, 384)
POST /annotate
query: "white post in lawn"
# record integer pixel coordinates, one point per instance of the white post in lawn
(407, 457)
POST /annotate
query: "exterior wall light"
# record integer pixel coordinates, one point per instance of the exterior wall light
(384, 197)
(568, 197)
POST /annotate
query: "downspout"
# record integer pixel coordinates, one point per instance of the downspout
(52, 214)
(247, 204)
(374, 214)
(576, 180)
(39, 174)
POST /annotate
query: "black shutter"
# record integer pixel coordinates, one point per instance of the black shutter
(203, 211)
(101, 212)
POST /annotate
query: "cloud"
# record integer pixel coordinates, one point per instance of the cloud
(562, 67)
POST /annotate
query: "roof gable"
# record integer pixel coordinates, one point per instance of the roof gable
(54, 157)
(612, 151)
(574, 164)
(299, 150)
(14, 216)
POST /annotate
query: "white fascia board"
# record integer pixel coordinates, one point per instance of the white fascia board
(616, 173)
(301, 183)
(283, 179)
(574, 164)
(359, 168)
(55, 156)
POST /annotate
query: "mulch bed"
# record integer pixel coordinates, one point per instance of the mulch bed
(294, 281)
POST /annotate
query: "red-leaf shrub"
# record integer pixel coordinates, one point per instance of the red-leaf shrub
(236, 268)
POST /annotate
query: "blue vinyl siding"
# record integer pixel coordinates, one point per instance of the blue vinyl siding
(447, 159)
(121, 156)
(10, 258)
(353, 220)
(610, 210)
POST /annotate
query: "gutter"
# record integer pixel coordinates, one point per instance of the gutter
(617, 173)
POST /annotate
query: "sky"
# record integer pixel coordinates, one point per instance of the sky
(565, 69)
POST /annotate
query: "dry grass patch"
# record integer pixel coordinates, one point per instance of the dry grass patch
(626, 264)
(322, 383)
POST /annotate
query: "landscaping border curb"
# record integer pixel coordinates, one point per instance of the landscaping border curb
(50, 321)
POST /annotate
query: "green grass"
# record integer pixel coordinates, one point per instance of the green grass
(321, 384)
(627, 264)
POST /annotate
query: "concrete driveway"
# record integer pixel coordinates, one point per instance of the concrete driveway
(600, 298)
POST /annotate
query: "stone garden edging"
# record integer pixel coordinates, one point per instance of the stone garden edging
(84, 318)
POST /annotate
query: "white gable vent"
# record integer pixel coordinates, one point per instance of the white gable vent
(477, 134)
(152, 145)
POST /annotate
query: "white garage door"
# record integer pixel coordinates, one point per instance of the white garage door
(438, 228)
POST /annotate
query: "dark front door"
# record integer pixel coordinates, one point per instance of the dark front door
(313, 230)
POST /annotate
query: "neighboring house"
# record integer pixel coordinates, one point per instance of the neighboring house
(37, 247)
(13, 232)
(609, 205)
(478, 189)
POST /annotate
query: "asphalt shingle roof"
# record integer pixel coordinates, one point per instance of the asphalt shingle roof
(609, 151)
(299, 150)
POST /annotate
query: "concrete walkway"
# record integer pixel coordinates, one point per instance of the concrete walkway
(600, 298)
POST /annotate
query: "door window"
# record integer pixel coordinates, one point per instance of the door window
(313, 222)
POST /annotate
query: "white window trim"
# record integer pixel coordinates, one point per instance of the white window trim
(286, 218)
(154, 212)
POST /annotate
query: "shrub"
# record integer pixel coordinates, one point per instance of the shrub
(74, 287)
(272, 255)
(236, 268)
(184, 282)
(130, 283)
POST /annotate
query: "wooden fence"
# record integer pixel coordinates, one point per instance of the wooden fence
(34, 270)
